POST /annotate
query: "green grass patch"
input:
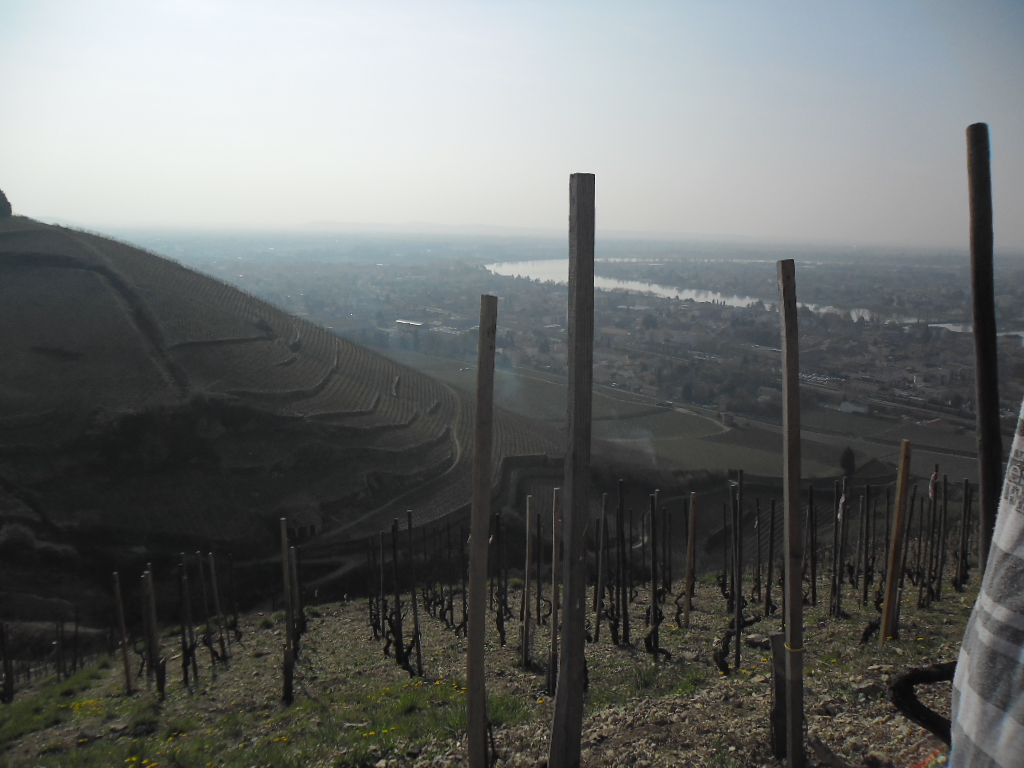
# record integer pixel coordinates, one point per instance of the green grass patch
(54, 704)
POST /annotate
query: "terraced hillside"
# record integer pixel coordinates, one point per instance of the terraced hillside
(146, 404)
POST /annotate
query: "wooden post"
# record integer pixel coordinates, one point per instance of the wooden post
(623, 584)
(990, 445)
(892, 569)
(415, 610)
(298, 602)
(383, 602)
(154, 630)
(476, 696)
(568, 721)
(183, 629)
(812, 514)
(398, 630)
(465, 590)
(738, 579)
(526, 583)
(498, 608)
(556, 540)
(793, 521)
(771, 563)
(691, 537)
(288, 666)
(216, 607)
(757, 527)
(602, 544)
(8, 689)
(189, 625)
(654, 577)
(124, 635)
(943, 537)
(206, 615)
(372, 589)
(869, 514)
(538, 546)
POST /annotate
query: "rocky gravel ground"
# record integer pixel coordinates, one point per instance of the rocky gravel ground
(355, 706)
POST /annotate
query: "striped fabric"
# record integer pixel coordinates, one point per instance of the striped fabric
(988, 690)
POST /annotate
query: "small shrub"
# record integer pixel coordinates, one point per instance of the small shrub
(314, 613)
(267, 623)
(503, 709)
(692, 680)
(644, 677)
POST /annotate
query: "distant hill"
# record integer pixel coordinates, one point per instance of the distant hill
(147, 408)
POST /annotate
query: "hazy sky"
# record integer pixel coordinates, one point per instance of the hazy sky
(835, 122)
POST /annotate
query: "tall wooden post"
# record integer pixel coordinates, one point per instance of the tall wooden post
(556, 551)
(568, 720)
(399, 630)
(526, 582)
(691, 537)
(943, 537)
(216, 607)
(654, 577)
(601, 533)
(757, 527)
(124, 635)
(769, 581)
(415, 609)
(738, 566)
(893, 567)
(793, 521)
(288, 666)
(990, 446)
(623, 583)
(190, 628)
(476, 696)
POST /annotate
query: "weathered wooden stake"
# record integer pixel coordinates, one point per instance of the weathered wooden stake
(602, 544)
(189, 625)
(793, 520)
(893, 566)
(990, 445)
(415, 609)
(691, 538)
(757, 528)
(568, 721)
(943, 537)
(812, 514)
(654, 578)
(216, 607)
(288, 665)
(183, 629)
(124, 635)
(154, 628)
(556, 551)
(476, 696)
(737, 594)
(623, 585)
(769, 582)
(396, 610)
(526, 583)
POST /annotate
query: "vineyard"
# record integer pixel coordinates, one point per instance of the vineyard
(142, 401)
(381, 677)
